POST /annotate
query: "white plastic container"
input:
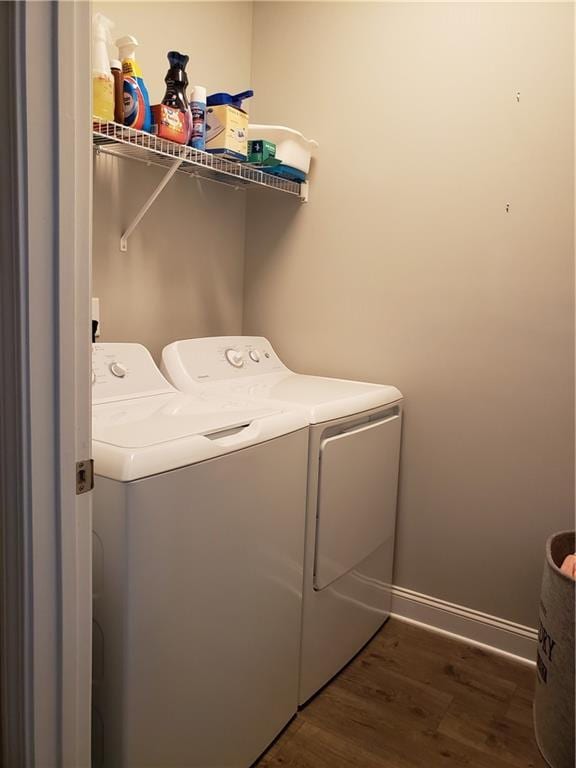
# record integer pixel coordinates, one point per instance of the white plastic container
(292, 148)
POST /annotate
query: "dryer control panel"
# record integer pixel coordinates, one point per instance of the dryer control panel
(221, 358)
(121, 371)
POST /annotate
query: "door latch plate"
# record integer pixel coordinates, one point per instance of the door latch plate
(84, 476)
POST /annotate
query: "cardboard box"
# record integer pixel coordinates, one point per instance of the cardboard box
(227, 132)
(169, 123)
(262, 152)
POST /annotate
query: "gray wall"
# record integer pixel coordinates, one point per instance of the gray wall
(183, 273)
(407, 268)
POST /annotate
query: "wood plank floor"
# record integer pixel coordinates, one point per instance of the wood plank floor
(413, 698)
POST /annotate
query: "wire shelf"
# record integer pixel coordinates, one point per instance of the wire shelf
(121, 141)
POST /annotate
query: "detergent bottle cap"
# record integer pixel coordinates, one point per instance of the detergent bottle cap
(198, 94)
(127, 47)
(177, 71)
(115, 64)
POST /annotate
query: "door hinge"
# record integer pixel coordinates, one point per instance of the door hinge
(84, 476)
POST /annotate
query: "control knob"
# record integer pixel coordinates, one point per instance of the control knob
(254, 355)
(235, 358)
(118, 370)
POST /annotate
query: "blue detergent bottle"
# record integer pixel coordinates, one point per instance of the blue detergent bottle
(137, 112)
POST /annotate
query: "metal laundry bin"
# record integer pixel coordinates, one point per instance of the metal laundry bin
(554, 698)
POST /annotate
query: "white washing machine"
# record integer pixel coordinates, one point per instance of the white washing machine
(354, 451)
(199, 508)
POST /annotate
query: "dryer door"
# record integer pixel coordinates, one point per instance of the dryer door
(356, 495)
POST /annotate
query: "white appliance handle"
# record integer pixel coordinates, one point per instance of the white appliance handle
(239, 436)
(365, 425)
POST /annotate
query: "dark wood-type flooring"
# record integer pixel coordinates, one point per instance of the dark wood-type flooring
(416, 698)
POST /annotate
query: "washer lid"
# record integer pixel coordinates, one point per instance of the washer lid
(160, 419)
(148, 435)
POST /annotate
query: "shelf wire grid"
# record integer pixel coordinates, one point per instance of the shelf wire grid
(122, 141)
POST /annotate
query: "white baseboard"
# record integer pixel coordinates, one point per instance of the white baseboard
(481, 629)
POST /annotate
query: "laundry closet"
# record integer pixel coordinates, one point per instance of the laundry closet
(428, 259)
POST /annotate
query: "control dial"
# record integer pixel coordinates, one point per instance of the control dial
(235, 358)
(118, 370)
(254, 355)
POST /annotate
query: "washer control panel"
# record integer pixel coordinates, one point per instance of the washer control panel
(221, 357)
(121, 371)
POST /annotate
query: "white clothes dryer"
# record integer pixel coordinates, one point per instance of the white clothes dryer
(198, 564)
(354, 451)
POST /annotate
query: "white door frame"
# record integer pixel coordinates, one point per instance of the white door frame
(75, 365)
(45, 410)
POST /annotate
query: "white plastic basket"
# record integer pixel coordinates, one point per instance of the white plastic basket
(292, 148)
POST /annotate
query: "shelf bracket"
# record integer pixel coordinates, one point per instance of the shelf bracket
(144, 210)
(304, 191)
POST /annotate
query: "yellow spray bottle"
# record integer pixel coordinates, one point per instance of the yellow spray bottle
(102, 77)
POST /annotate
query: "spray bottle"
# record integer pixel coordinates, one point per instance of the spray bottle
(102, 78)
(198, 110)
(137, 113)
